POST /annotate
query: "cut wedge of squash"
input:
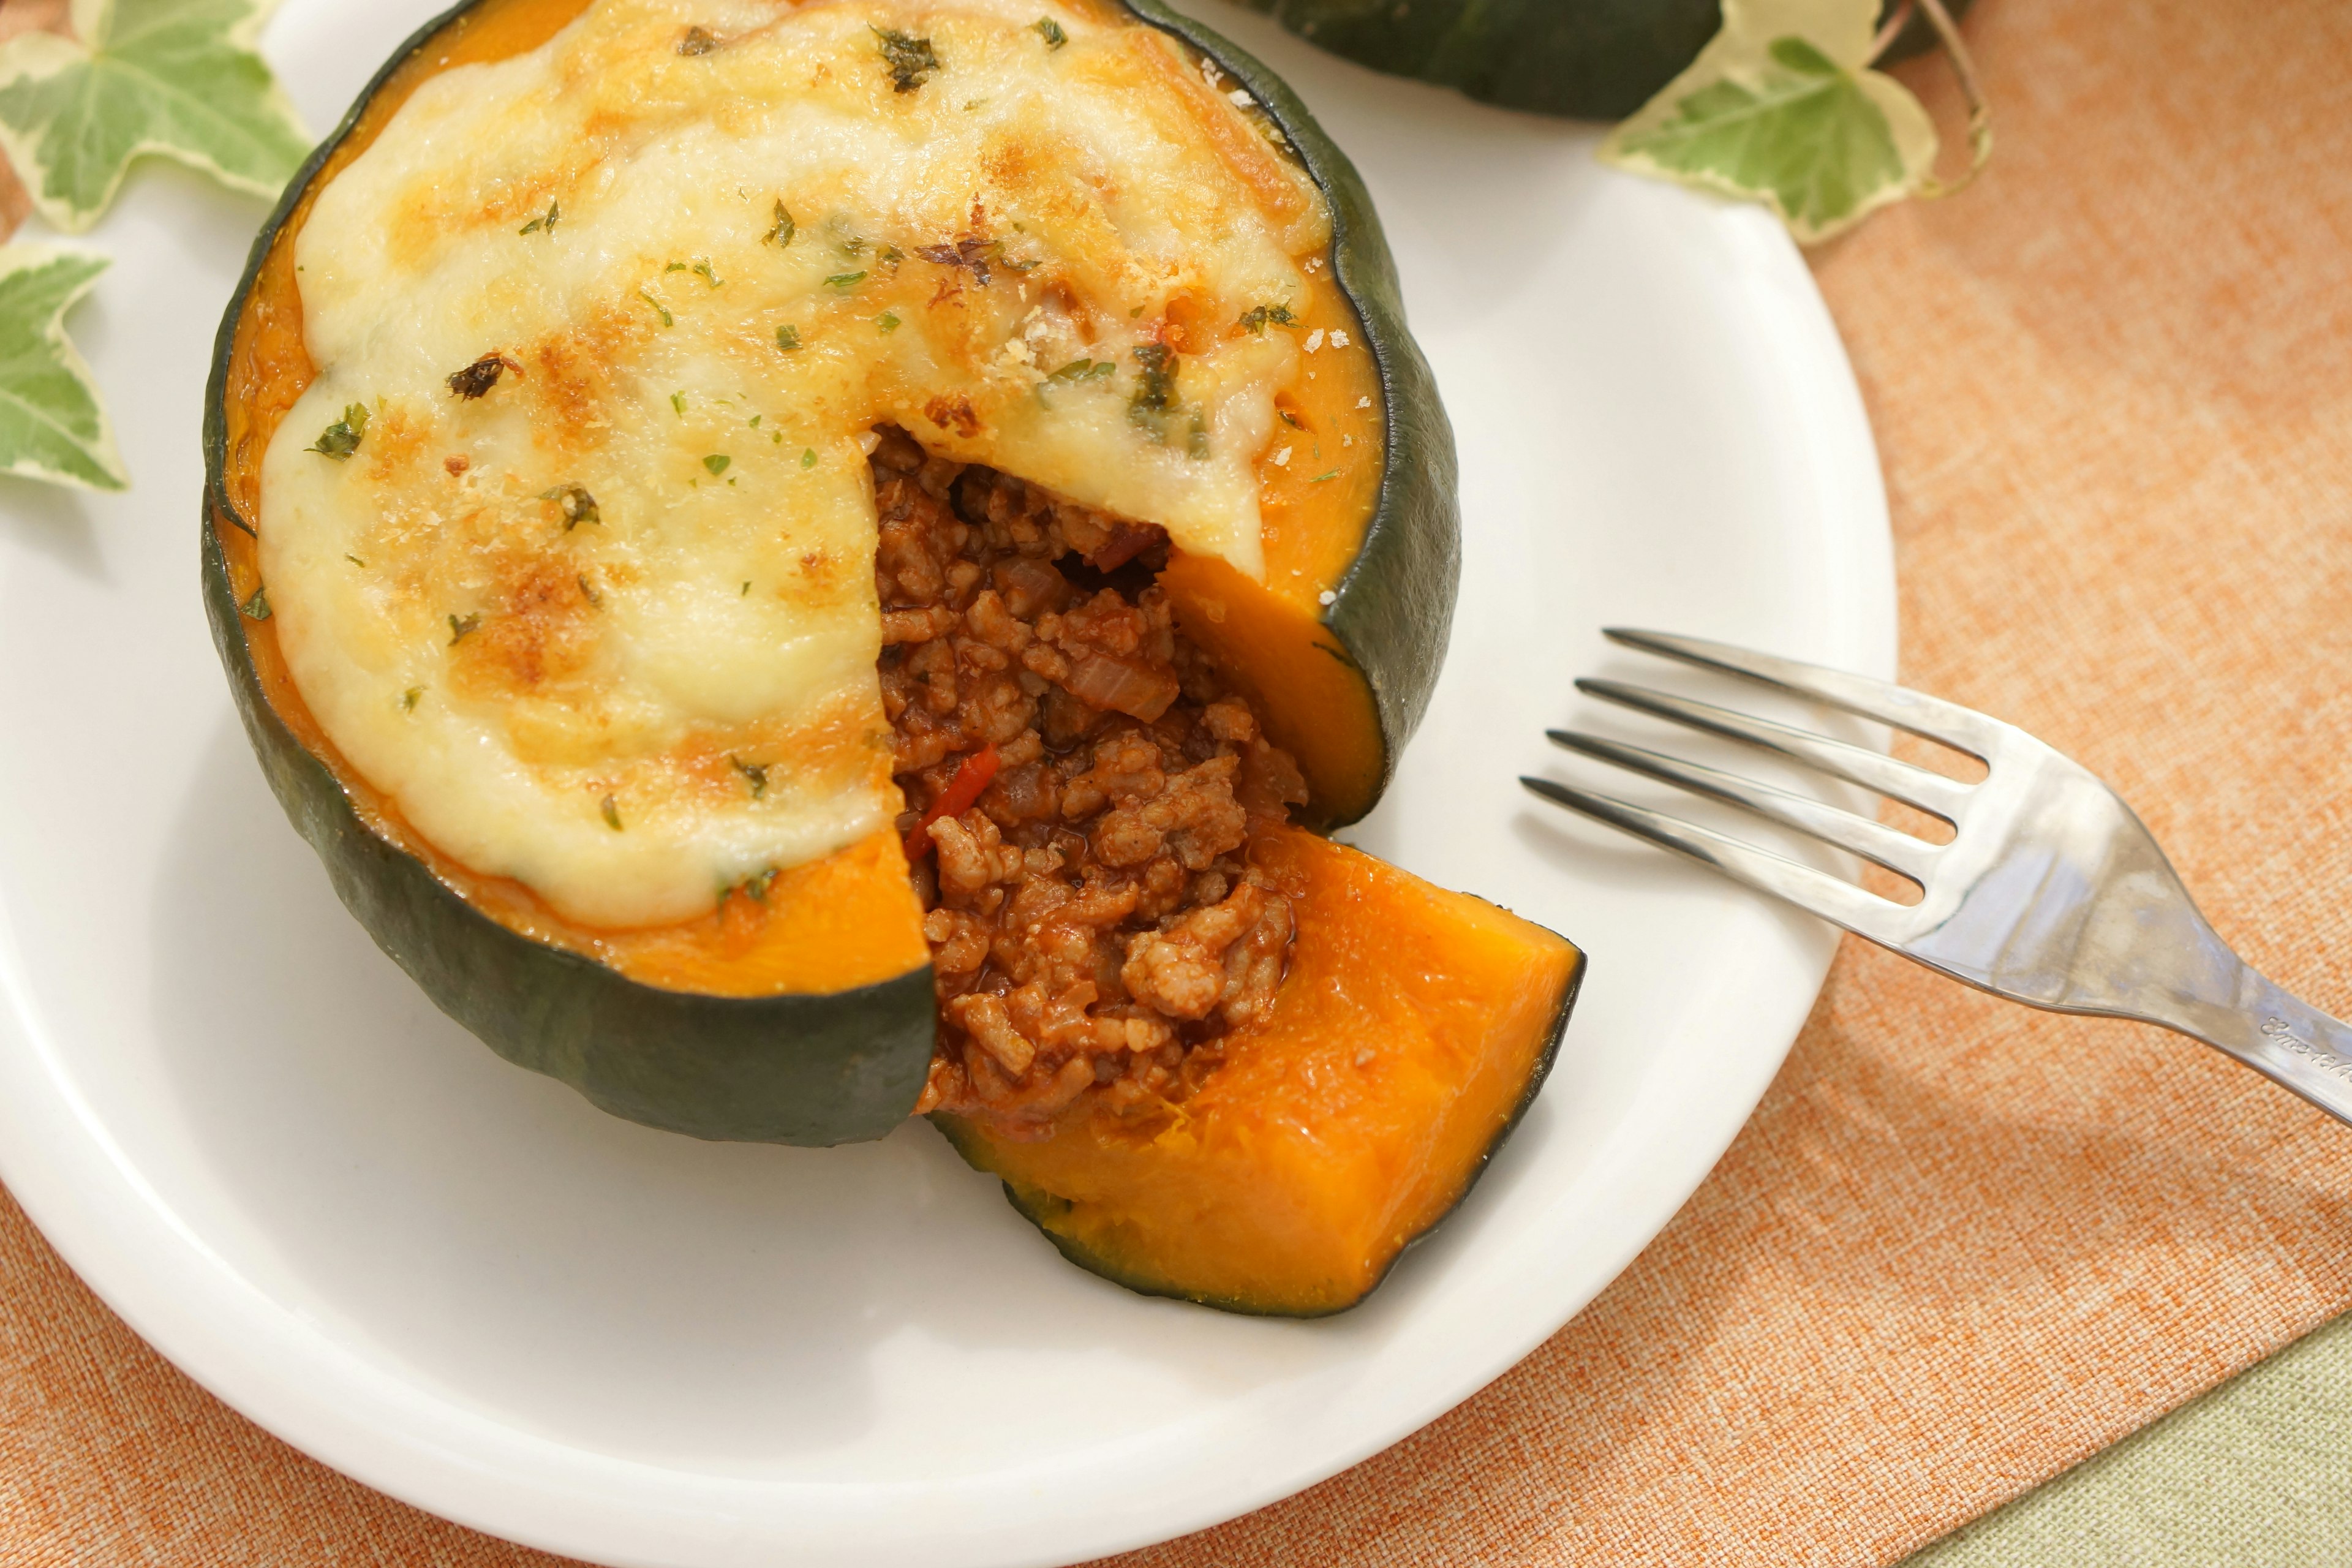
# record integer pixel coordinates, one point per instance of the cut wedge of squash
(1412, 1029)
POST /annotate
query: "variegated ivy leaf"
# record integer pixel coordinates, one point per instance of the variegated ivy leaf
(178, 77)
(1782, 107)
(51, 425)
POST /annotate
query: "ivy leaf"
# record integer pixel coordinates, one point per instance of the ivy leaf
(174, 77)
(51, 425)
(1782, 107)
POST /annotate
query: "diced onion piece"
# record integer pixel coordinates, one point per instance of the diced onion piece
(1101, 682)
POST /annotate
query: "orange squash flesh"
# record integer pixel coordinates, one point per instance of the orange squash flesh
(1409, 1033)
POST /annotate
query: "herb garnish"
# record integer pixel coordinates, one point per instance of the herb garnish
(808, 459)
(717, 463)
(1320, 477)
(912, 59)
(408, 698)
(677, 402)
(257, 608)
(702, 271)
(611, 810)
(1155, 396)
(461, 627)
(888, 320)
(341, 438)
(970, 251)
(667, 319)
(576, 504)
(1085, 370)
(754, 774)
(479, 377)
(787, 337)
(782, 233)
(1051, 31)
(1258, 317)
(845, 281)
(354, 559)
(595, 600)
(696, 41)
(756, 888)
(554, 211)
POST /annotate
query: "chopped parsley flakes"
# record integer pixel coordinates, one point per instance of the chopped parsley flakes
(576, 503)
(341, 438)
(912, 60)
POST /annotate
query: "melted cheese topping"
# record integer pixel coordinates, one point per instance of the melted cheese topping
(609, 627)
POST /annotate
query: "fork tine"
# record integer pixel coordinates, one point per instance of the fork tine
(1963, 728)
(1898, 852)
(1930, 792)
(1864, 913)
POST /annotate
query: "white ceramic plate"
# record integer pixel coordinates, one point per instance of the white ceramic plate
(458, 1283)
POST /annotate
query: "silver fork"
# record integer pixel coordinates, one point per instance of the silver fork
(2050, 891)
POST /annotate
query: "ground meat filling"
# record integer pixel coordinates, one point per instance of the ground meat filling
(1082, 790)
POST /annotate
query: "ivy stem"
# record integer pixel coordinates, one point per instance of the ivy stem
(1890, 31)
(1964, 68)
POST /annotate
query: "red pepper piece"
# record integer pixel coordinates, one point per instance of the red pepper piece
(956, 799)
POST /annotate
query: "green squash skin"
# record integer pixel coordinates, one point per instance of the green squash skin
(1041, 1208)
(1585, 59)
(811, 1069)
(1393, 611)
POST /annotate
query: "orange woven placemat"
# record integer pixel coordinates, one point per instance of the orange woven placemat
(1962, 1245)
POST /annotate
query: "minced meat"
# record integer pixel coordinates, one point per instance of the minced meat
(1095, 921)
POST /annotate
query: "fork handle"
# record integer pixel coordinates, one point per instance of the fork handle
(2288, 1041)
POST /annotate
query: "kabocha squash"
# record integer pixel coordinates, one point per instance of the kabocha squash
(546, 443)
(1591, 60)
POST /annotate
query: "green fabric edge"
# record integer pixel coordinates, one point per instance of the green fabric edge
(2256, 1474)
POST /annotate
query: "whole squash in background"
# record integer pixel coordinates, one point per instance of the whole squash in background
(1587, 59)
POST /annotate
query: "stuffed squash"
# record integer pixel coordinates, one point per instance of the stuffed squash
(801, 563)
